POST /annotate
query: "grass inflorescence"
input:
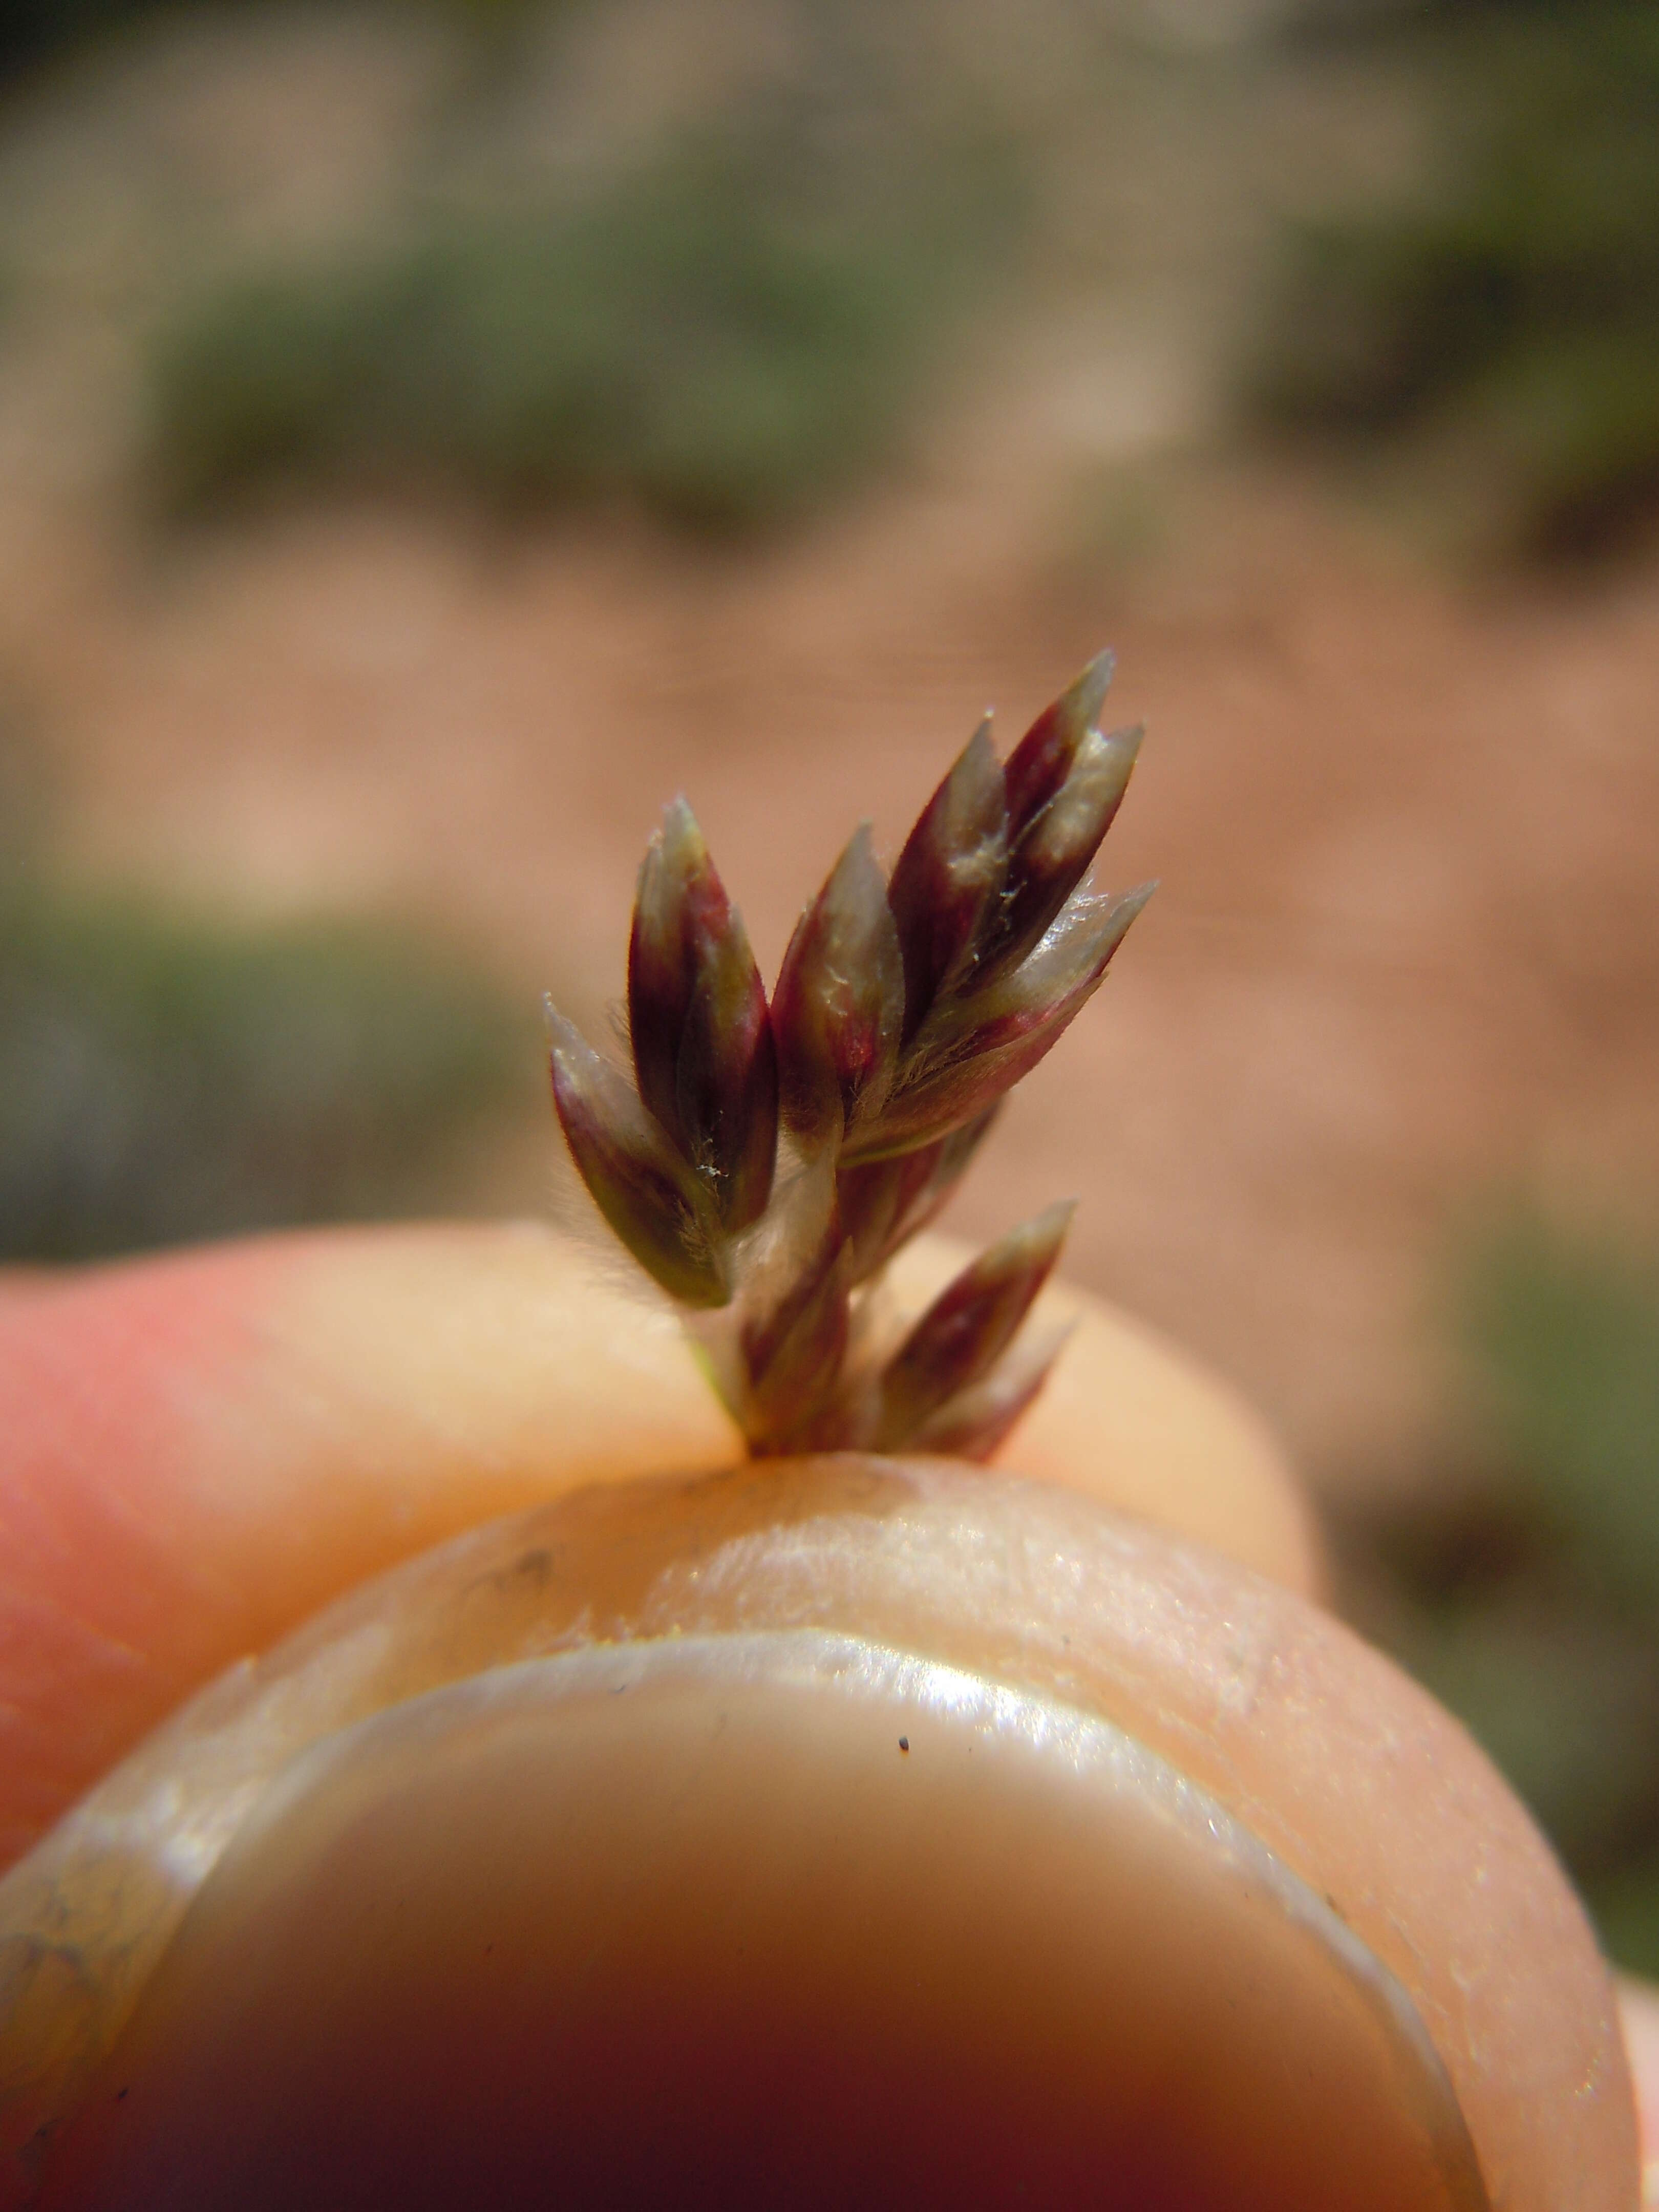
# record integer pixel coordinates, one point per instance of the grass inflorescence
(769, 1158)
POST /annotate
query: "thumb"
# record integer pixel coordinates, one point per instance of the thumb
(203, 1449)
(1639, 2012)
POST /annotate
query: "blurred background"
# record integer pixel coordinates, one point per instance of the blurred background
(432, 435)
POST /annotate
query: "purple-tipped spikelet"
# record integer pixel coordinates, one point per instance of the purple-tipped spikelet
(906, 1007)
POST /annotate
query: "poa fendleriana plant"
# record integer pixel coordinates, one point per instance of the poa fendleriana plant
(770, 1158)
(882, 1829)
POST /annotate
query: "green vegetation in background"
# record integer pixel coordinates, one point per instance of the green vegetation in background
(1532, 1608)
(1516, 311)
(165, 1079)
(725, 339)
(30, 30)
(34, 31)
(1568, 1337)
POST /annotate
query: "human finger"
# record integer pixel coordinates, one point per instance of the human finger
(203, 1449)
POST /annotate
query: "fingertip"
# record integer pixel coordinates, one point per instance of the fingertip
(204, 1449)
(1638, 2013)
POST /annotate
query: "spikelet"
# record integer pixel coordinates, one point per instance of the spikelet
(769, 1159)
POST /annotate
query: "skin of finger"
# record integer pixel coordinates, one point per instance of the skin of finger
(1638, 2013)
(203, 1449)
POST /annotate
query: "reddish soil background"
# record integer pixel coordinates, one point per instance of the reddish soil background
(1404, 960)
